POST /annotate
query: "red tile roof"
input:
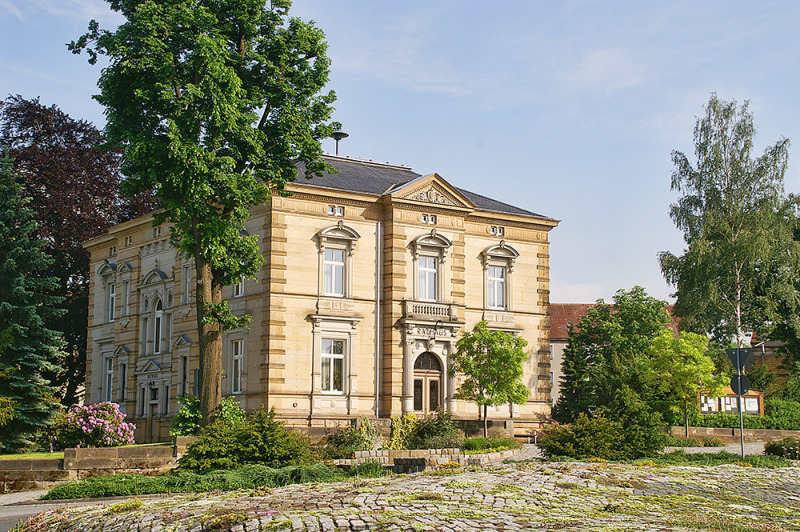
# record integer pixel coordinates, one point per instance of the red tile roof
(562, 314)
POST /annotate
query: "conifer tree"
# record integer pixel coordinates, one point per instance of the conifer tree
(27, 347)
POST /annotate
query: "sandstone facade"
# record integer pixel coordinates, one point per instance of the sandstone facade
(371, 275)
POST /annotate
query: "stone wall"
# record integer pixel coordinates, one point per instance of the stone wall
(78, 464)
(412, 461)
(733, 436)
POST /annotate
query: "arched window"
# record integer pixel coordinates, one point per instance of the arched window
(427, 361)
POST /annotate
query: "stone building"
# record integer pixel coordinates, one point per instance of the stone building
(371, 275)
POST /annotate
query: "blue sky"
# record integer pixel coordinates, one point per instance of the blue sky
(569, 109)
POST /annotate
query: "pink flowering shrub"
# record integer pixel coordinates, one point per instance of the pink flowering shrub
(95, 425)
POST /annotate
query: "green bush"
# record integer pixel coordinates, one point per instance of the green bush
(187, 420)
(782, 414)
(680, 441)
(722, 457)
(712, 441)
(370, 469)
(248, 477)
(344, 443)
(438, 431)
(476, 444)
(404, 428)
(257, 440)
(787, 448)
(504, 442)
(779, 414)
(597, 437)
(642, 427)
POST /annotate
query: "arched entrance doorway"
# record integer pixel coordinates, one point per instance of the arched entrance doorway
(427, 383)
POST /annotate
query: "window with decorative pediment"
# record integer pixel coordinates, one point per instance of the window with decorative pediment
(498, 266)
(429, 255)
(336, 246)
(107, 272)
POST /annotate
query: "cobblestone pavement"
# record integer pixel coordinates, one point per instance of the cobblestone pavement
(516, 496)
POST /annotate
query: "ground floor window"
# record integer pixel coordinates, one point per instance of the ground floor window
(333, 365)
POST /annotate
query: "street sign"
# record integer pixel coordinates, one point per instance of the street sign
(740, 384)
(745, 357)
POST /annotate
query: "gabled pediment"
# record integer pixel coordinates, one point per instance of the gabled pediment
(501, 251)
(153, 276)
(150, 365)
(121, 350)
(432, 189)
(339, 232)
(182, 340)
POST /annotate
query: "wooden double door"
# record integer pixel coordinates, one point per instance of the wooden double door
(427, 384)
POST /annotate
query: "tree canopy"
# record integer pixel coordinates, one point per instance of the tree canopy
(681, 368)
(74, 190)
(214, 103)
(491, 363)
(741, 259)
(27, 347)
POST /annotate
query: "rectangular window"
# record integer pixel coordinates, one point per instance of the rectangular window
(126, 297)
(237, 350)
(332, 365)
(142, 400)
(183, 380)
(334, 272)
(109, 381)
(112, 301)
(157, 333)
(123, 381)
(427, 278)
(187, 284)
(238, 288)
(497, 287)
(112, 251)
(165, 401)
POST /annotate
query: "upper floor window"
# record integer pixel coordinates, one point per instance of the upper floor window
(112, 251)
(238, 288)
(126, 297)
(112, 301)
(430, 252)
(336, 247)
(123, 381)
(335, 210)
(428, 274)
(496, 296)
(186, 294)
(334, 272)
(498, 266)
(158, 324)
(497, 230)
(128, 241)
(332, 370)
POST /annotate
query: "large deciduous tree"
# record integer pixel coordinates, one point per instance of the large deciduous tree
(27, 347)
(73, 185)
(741, 259)
(491, 363)
(214, 103)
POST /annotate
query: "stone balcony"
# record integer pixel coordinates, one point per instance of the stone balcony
(429, 310)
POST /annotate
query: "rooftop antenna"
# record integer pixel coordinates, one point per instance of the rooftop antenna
(337, 136)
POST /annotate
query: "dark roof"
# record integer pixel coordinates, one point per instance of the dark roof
(368, 177)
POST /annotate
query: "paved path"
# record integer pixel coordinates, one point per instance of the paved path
(518, 496)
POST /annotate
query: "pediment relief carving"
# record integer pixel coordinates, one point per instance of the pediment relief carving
(434, 193)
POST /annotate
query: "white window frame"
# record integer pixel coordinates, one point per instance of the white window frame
(499, 256)
(123, 378)
(328, 355)
(126, 297)
(497, 295)
(158, 324)
(237, 366)
(187, 283)
(111, 301)
(337, 237)
(108, 379)
(238, 288)
(426, 275)
(334, 269)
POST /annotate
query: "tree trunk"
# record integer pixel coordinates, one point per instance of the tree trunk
(208, 289)
(485, 422)
(686, 416)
